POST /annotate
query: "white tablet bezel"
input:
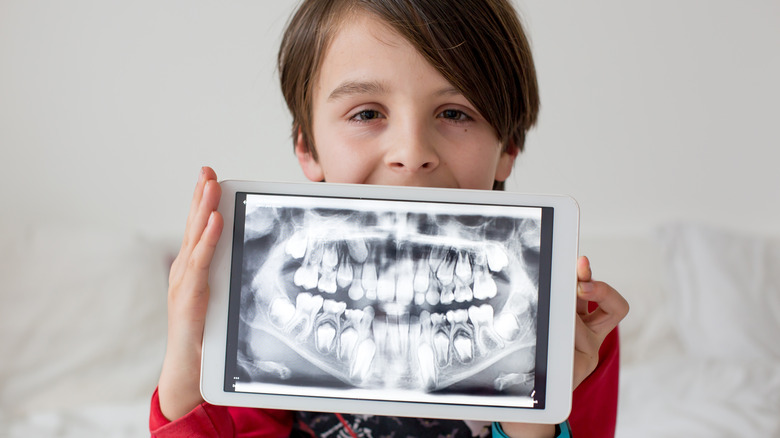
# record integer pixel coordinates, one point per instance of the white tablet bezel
(562, 308)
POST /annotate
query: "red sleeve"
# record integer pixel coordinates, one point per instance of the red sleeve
(594, 404)
(220, 421)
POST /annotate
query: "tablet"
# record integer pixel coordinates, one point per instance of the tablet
(420, 302)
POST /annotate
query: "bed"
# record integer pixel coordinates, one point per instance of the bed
(82, 317)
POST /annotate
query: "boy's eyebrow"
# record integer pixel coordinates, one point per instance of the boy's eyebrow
(349, 88)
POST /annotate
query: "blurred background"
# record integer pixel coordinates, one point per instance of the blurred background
(651, 111)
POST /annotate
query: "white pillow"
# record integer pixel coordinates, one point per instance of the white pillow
(82, 317)
(724, 291)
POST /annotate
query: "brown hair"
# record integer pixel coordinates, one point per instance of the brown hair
(479, 46)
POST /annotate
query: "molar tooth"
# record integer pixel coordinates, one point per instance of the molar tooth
(482, 319)
(327, 283)
(296, 246)
(464, 347)
(357, 249)
(334, 307)
(496, 257)
(364, 356)
(463, 267)
(462, 293)
(484, 285)
(281, 312)
(507, 326)
(447, 296)
(344, 274)
(306, 308)
(306, 276)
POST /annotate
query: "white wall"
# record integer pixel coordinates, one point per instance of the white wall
(652, 111)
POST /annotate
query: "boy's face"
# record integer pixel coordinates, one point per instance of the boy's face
(383, 115)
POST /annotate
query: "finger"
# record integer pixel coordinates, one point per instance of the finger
(586, 354)
(209, 202)
(612, 307)
(584, 272)
(206, 174)
(196, 275)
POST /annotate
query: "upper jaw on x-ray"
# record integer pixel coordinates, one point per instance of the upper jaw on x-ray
(381, 299)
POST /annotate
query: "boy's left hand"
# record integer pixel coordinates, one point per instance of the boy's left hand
(592, 326)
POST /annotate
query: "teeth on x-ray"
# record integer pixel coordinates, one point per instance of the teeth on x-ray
(393, 306)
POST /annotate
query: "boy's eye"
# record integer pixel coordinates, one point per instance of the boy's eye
(366, 115)
(456, 115)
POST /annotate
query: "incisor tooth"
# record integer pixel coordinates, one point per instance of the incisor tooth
(421, 277)
(385, 287)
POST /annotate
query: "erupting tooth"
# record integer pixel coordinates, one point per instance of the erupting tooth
(446, 272)
(296, 246)
(482, 319)
(385, 287)
(349, 338)
(463, 267)
(369, 278)
(364, 356)
(507, 326)
(330, 258)
(357, 249)
(496, 257)
(505, 380)
(484, 285)
(306, 308)
(463, 347)
(324, 337)
(356, 291)
(344, 274)
(421, 277)
(425, 360)
(327, 283)
(447, 296)
(435, 258)
(281, 312)
(441, 344)
(306, 277)
(462, 293)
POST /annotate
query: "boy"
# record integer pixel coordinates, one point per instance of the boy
(397, 93)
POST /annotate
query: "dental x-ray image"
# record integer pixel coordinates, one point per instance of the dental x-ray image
(413, 299)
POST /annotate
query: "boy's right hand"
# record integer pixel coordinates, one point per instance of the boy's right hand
(188, 295)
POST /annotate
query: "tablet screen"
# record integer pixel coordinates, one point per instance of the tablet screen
(382, 299)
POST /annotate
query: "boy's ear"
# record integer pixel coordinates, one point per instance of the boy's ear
(310, 166)
(506, 162)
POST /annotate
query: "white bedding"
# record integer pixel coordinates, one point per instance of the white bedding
(82, 314)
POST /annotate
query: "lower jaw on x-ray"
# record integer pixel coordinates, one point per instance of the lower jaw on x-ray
(399, 300)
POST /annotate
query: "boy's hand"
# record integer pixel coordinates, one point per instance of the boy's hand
(188, 294)
(591, 327)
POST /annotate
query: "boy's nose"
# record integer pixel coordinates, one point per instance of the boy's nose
(412, 151)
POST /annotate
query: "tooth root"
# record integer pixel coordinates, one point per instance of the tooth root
(306, 277)
(421, 278)
(506, 326)
(425, 360)
(446, 272)
(344, 274)
(358, 250)
(463, 293)
(435, 258)
(330, 257)
(441, 345)
(447, 296)
(348, 341)
(487, 338)
(327, 283)
(463, 267)
(360, 368)
(296, 246)
(324, 337)
(496, 257)
(484, 286)
(385, 288)
(281, 312)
